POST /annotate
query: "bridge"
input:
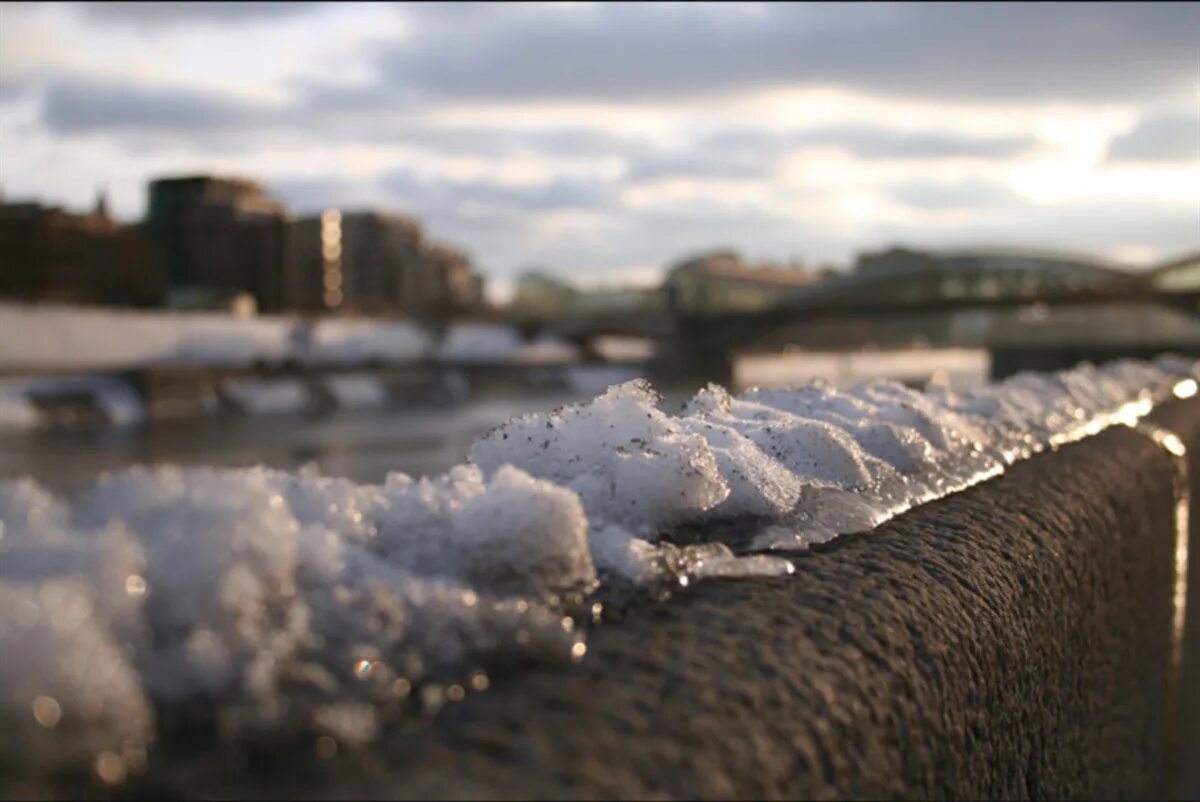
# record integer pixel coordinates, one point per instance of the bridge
(1012, 305)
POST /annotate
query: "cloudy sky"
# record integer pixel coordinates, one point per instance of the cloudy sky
(601, 141)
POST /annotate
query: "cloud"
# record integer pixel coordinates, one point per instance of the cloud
(654, 52)
(10, 90)
(699, 163)
(73, 106)
(1164, 137)
(204, 118)
(875, 142)
(746, 153)
(443, 119)
(667, 51)
(560, 194)
(306, 195)
(169, 14)
(966, 195)
(1084, 226)
(575, 228)
(486, 140)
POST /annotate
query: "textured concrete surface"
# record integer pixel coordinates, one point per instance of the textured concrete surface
(1009, 642)
(1184, 420)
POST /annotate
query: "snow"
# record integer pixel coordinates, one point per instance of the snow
(357, 392)
(16, 411)
(479, 342)
(630, 463)
(613, 348)
(51, 337)
(335, 341)
(119, 403)
(268, 396)
(834, 460)
(547, 350)
(273, 600)
(759, 484)
(253, 586)
(958, 367)
(73, 338)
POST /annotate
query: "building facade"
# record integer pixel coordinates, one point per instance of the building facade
(220, 236)
(48, 254)
(453, 284)
(375, 263)
(538, 295)
(719, 281)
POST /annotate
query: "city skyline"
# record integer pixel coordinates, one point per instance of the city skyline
(604, 141)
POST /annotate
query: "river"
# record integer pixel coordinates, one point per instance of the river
(364, 445)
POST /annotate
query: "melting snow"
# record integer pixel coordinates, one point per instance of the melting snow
(265, 396)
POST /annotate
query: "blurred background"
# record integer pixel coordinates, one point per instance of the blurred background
(361, 234)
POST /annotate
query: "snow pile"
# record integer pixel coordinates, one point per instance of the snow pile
(271, 600)
(64, 337)
(630, 463)
(16, 410)
(115, 399)
(357, 392)
(358, 341)
(480, 342)
(268, 396)
(214, 339)
(613, 348)
(635, 469)
(260, 590)
(547, 349)
(830, 460)
(79, 338)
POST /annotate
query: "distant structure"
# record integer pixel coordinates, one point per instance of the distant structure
(223, 243)
(719, 281)
(456, 287)
(48, 254)
(375, 262)
(705, 283)
(616, 300)
(904, 278)
(905, 274)
(538, 295)
(219, 239)
(1178, 275)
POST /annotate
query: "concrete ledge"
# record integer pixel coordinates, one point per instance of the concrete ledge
(1010, 641)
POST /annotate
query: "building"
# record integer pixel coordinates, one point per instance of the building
(220, 236)
(352, 261)
(719, 281)
(48, 254)
(616, 300)
(538, 295)
(456, 287)
(374, 262)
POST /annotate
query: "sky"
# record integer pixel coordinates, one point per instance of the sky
(600, 142)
